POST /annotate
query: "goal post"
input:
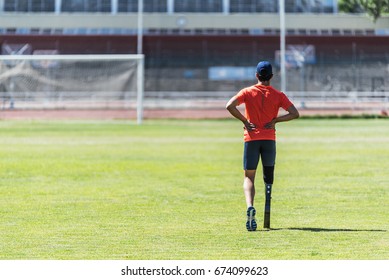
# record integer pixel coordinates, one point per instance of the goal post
(73, 82)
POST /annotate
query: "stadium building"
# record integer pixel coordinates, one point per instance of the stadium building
(197, 45)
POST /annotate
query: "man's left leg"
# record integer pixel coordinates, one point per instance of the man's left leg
(250, 163)
(249, 193)
(249, 187)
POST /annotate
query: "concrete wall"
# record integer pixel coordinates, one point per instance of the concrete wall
(192, 21)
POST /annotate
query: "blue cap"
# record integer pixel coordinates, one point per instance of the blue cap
(264, 69)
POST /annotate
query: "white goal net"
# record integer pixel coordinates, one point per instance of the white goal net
(72, 82)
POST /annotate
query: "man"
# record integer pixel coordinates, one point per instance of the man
(262, 103)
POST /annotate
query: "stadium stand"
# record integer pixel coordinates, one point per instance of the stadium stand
(184, 41)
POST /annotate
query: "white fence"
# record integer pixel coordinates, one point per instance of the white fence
(341, 100)
(358, 101)
(303, 100)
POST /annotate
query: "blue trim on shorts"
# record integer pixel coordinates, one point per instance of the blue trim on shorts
(264, 150)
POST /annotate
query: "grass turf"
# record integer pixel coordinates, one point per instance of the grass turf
(173, 190)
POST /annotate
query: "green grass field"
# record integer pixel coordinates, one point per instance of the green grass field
(173, 190)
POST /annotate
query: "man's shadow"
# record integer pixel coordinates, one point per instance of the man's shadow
(313, 229)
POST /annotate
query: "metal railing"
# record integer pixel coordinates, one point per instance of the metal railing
(320, 101)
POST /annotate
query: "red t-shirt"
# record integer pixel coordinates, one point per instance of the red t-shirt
(262, 105)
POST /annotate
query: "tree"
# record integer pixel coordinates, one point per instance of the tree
(350, 6)
(374, 8)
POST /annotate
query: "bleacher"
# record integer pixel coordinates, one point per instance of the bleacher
(160, 6)
(184, 39)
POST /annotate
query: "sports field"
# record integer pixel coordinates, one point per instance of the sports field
(172, 189)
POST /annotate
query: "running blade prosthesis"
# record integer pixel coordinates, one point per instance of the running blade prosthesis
(266, 220)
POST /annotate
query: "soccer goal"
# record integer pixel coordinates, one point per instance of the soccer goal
(72, 82)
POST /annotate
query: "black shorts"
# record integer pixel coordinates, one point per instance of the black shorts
(259, 149)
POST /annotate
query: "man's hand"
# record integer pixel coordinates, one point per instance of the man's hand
(271, 125)
(292, 114)
(249, 126)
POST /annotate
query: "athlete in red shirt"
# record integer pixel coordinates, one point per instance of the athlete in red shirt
(262, 103)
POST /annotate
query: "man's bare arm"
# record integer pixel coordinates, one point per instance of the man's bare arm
(293, 113)
(231, 107)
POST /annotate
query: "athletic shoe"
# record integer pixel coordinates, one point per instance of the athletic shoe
(251, 224)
